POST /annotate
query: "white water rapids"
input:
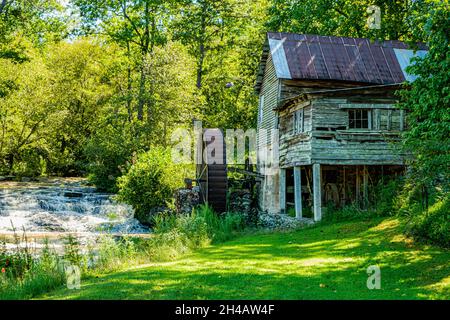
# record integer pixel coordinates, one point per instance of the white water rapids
(60, 206)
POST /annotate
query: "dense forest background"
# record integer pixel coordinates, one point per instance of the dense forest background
(85, 85)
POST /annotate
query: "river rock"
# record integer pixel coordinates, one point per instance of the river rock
(72, 194)
(47, 222)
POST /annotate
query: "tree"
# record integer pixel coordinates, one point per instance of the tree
(26, 112)
(224, 37)
(341, 18)
(38, 21)
(138, 26)
(82, 88)
(428, 100)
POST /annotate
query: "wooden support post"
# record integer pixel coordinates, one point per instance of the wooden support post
(282, 184)
(345, 189)
(357, 186)
(366, 187)
(317, 192)
(298, 192)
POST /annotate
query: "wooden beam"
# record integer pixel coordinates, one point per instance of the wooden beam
(317, 193)
(357, 185)
(282, 185)
(298, 192)
(366, 187)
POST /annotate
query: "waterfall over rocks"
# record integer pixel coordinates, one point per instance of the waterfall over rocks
(63, 206)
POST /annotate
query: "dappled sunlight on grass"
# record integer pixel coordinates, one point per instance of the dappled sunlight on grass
(386, 225)
(322, 262)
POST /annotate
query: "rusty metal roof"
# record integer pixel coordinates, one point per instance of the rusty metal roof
(313, 57)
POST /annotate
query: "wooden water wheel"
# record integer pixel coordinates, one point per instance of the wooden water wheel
(212, 173)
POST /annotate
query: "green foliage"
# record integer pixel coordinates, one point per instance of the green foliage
(72, 253)
(344, 17)
(221, 227)
(427, 211)
(384, 202)
(428, 101)
(109, 152)
(433, 225)
(178, 234)
(425, 196)
(41, 21)
(151, 181)
(25, 276)
(347, 213)
(323, 261)
(112, 254)
(385, 197)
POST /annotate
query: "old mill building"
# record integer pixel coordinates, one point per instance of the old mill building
(332, 100)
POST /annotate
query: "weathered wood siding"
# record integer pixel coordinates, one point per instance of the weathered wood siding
(333, 142)
(269, 198)
(327, 138)
(270, 92)
(295, 148)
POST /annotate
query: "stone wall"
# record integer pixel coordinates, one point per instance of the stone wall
(186, 200)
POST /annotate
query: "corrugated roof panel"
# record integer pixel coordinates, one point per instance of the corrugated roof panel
(356, 65)
(369, 63)
(394, 66)
(279, 59)
(300, 60)
(318, 60)
(314, 57)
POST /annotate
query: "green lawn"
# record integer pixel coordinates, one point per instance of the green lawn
(322, 262)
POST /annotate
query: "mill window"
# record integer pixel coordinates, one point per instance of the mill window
(298, 121)
(358, 119)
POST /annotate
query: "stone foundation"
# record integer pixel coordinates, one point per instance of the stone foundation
(186, 200)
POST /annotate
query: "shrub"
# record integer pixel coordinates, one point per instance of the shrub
(385, 195)
(221, 227)
(178, 234)
(72, 253)
(383, 202)
(432, 225)
(114, 254)
(151, 182)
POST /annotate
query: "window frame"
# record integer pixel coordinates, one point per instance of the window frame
(299, 121)
(359, 119)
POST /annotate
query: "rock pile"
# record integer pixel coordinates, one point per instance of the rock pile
(186, 200)
(240, 201)
(281, 221)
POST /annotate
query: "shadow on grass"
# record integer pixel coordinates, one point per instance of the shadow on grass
(323, 262)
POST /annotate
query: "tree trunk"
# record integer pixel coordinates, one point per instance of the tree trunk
(202, 49)
(141, 100)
